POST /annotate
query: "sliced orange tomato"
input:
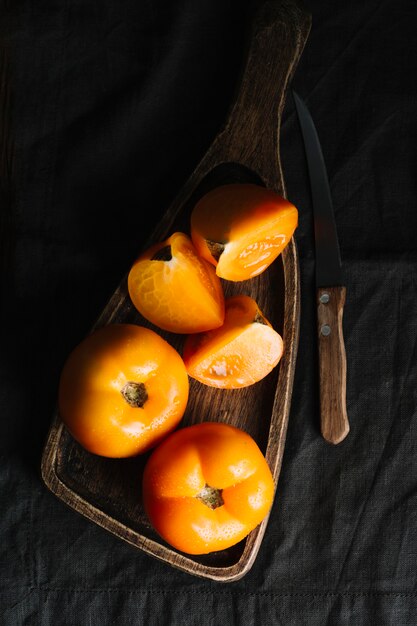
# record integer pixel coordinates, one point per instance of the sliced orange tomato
(242, 228)
(172, 287)
(240, 353)
(122, 389)
(206, 487)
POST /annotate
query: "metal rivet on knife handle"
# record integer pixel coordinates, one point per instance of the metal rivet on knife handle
(325, 330)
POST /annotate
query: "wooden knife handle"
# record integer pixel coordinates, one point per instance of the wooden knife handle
(332, 364)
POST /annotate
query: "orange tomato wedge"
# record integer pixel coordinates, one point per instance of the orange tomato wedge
(240, 353)
(242, 228)
(175, 289)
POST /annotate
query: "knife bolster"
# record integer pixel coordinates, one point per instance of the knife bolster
(332, 363)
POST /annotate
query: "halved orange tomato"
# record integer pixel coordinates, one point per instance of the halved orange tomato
(240, 353)
(122, 389)
(242, 228)
(175, 289)
(205, 487)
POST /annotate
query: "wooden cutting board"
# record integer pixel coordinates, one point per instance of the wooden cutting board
(108, 491)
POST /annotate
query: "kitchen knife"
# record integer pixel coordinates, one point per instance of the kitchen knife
(330, 288)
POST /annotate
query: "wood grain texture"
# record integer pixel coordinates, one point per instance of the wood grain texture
(332, 364)
(108, 491)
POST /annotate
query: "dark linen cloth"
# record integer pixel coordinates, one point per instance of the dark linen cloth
(105, 109)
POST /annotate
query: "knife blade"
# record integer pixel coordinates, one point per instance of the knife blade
(330, 287)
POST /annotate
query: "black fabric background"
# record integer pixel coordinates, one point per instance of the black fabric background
(106, 107)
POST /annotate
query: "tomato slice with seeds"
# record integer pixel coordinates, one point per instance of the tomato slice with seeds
(242, 228)
(240, 353)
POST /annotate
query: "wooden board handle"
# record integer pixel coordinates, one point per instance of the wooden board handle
(251, 133)
(332, 364)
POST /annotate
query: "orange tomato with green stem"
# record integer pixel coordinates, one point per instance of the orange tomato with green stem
(206, 487)
(122, 389)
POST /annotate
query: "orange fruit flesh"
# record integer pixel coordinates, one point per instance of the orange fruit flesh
(181, 295)
(243, 361)
(238, 354)
(252, 224)
(248, 255)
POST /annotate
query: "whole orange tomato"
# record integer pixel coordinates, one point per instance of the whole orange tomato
(121, 390)
(205, 487)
